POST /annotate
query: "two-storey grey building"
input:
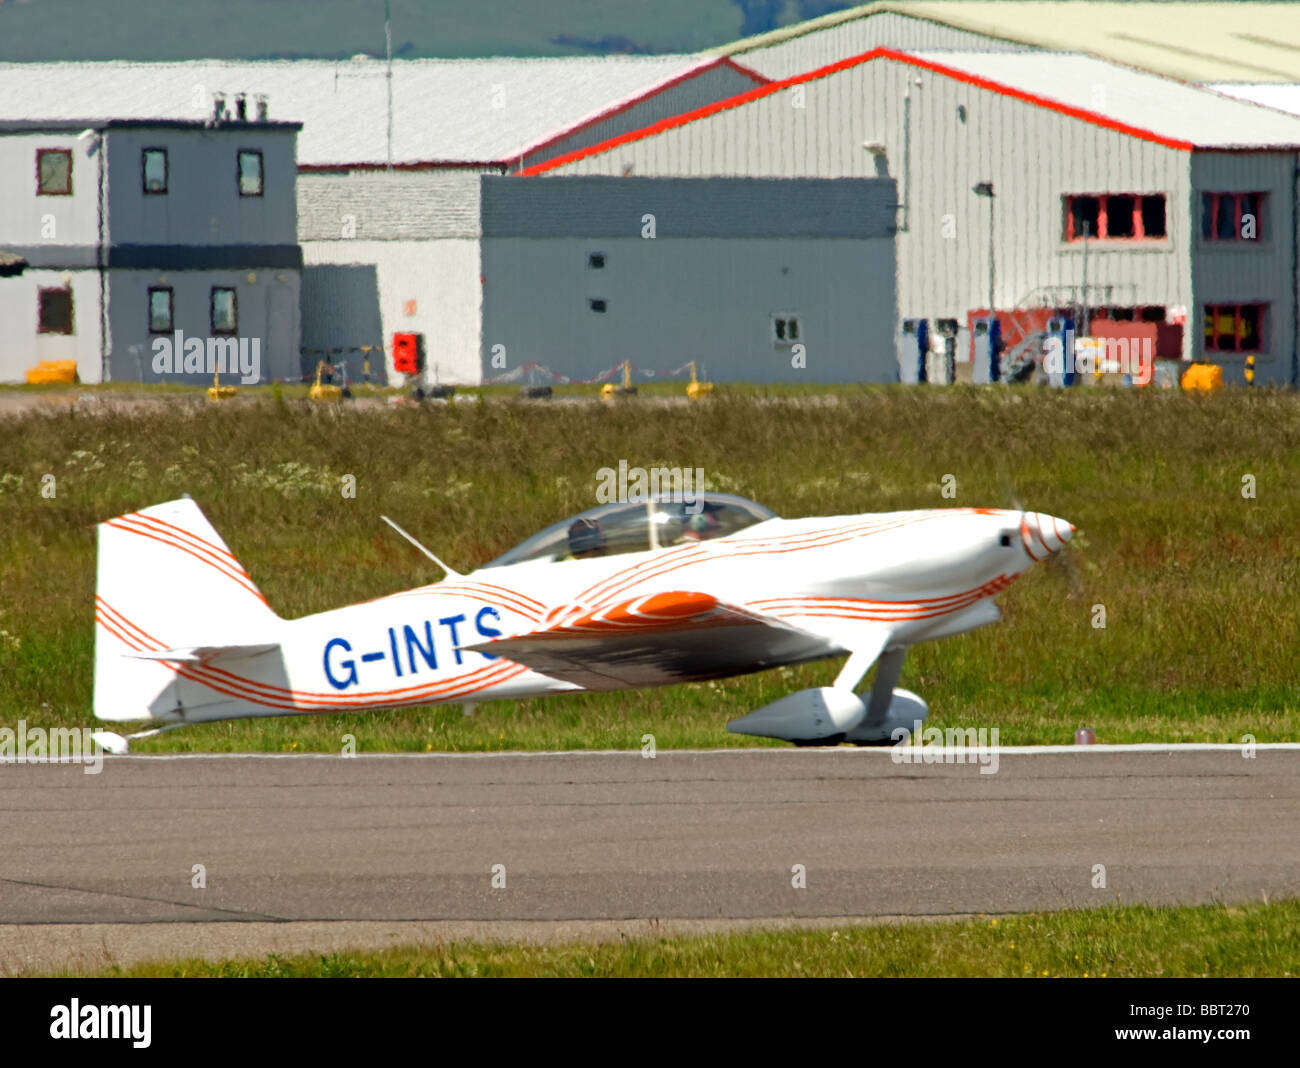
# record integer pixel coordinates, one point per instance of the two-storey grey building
(142, 235)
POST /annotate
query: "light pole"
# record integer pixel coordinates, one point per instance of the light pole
(985, 189)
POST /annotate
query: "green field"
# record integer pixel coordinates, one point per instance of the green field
(1113, 942)
(1197, 581)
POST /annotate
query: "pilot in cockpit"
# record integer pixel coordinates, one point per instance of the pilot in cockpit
(586, 539)
(700, 527)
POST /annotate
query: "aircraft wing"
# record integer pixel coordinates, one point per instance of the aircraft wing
(655, 640)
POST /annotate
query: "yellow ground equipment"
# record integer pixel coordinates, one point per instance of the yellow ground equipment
(218, 392)
(1202, 377)
(324, 391)
(695, 389)
(608, 391)
(52, 372)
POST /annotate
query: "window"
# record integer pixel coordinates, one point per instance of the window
(1231, 216)
(785, 329)
(1116, 217)
(53, 172)
(596, 260)
(250, 173)
(1153, 215)
(161, 307)
(225, 311)
(1120, 221)
(55, 311)
(153, 170)
(1234, 327)
(596, 305)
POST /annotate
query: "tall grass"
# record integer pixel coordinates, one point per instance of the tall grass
(1197, 581)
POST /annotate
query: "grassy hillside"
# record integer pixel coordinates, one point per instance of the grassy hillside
(1198, 582)
(268, 29)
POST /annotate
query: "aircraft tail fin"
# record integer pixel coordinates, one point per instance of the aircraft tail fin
(167, 583)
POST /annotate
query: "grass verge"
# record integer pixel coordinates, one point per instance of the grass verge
(1130, 941)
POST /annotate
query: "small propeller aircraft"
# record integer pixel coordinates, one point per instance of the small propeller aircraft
(622, 596)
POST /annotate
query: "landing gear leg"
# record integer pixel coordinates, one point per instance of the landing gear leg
(882, 691)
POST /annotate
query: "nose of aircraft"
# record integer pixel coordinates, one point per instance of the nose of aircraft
(1043, 534)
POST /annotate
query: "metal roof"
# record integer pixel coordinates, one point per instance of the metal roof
(1198, 42)
(1110, 93)
(1082, 87)
(475, 110)
(68, 125)
(1271, 95)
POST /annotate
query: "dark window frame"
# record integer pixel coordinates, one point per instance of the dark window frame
(212, 310)
(596, 261)
(41, 153)
(781, 332)
(144, 171)
(1135, 215)
(1212, 206)
(1211, 342)
(599, 305)
(41, 325)
(261, 171)
(171, 309)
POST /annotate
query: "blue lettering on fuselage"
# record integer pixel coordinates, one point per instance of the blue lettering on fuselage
(487, 632)
(351, 665)
(342, 671)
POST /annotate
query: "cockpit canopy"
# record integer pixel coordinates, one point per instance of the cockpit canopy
(638, 526)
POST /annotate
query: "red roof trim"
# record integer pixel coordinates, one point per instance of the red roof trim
(1082, 114)
(740, 68)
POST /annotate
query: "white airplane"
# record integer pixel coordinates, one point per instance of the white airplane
(623, 596)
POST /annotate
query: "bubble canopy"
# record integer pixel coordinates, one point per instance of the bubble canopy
(638, 526)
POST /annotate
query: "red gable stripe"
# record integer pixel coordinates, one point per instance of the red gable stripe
(1084, 115)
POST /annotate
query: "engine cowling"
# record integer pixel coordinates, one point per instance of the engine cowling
(821, 714)
(906, 710)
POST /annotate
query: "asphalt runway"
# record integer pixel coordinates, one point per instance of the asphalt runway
(607, 843)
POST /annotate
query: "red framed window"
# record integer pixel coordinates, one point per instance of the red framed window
(1116, 217)
(1234, 327)
(1232, 216)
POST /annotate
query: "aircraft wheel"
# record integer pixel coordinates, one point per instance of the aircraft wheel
(833, 739)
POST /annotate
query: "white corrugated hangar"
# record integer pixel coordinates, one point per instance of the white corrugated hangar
(1009, 166)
